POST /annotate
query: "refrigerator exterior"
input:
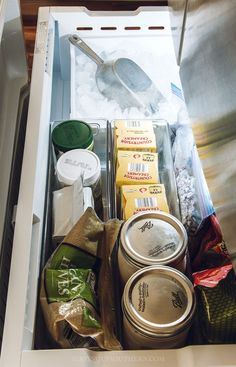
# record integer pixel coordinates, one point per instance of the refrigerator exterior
(207, 71)
(50, 101)
(13, 116)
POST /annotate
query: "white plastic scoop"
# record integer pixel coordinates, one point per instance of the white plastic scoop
(122, 80)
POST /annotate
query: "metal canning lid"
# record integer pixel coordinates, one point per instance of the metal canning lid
(72, 134)
(159, 300)
(153, 237)
(78, 162)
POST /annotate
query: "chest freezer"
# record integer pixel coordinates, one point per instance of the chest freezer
(51, 99)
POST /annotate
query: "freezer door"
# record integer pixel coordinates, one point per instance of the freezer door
(22, 290)
(207, 72)
(13, 112)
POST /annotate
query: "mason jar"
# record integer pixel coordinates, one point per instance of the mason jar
(158, 307)
(151, 238)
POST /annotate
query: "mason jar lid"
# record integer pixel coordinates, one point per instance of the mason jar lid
(78, 162)
(159, 300)
(153, 237)
(72, 134)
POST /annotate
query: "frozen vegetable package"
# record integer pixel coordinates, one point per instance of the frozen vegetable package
(76, 286)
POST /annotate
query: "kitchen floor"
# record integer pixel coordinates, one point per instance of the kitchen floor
(29, 11)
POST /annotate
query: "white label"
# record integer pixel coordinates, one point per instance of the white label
(133, 123)
(138, 167)
(145, 202)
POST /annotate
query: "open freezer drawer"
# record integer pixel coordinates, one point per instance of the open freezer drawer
(13, 116)
(50, 101)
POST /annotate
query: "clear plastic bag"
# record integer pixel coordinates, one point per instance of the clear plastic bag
(194, 197)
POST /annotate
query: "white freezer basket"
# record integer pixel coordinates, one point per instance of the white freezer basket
(51, 100)
(126, 36)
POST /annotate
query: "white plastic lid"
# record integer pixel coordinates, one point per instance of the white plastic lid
(76, 162)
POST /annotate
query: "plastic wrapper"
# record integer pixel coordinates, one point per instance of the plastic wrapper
(207, 248)
(215, 286)
(76, 286)
(216, 304)
(194, 198)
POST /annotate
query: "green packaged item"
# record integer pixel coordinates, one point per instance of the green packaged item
(76, 292)
(67, 284)
(216, 304)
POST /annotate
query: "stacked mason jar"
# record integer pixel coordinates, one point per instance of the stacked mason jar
(158, 301)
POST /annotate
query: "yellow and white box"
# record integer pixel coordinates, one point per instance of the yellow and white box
(133, 125)
(136, 168)
(138, 198)
(135, 135)
(139, 141)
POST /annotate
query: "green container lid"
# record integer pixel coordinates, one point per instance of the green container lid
(72, 134)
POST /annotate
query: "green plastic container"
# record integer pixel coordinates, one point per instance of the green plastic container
(72, 134)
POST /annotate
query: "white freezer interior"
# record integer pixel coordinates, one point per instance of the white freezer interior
(50, 101)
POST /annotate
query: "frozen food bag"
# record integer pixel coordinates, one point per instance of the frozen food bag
(76, 292)
(207, 248)
(194, 197)
(216, 304)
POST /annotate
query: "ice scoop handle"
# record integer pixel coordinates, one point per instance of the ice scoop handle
(78, 42)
